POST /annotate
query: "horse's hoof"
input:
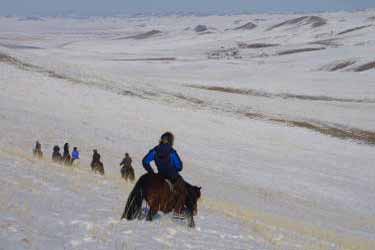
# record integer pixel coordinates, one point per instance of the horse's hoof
(191, 223)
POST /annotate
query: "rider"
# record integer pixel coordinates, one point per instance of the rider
(56, 155)
(168, 164)
(95, 157)
(127, 161)
(38, 146)
(37, 151)
(75, 154)
(127, 170)
(166, 158)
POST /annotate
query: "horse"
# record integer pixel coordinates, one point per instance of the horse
(97, 166)
(56, 155)
(67, 160)
(127, 172)
(159, 195)
(37, 152)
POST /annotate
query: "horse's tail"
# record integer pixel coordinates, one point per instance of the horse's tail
(134, 204)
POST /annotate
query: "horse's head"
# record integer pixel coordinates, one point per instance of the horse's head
(194, 193)
(198, 192)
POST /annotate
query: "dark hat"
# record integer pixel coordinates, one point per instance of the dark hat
(167, 138)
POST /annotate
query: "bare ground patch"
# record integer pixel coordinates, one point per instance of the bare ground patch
(338, 65)
(333, 130)
(246, 26)
(15, 46)
(200, 28)
(189, 99)
(228, 53)
(295, 51)
(141, 36)
(252, 92)
(354, 29)
(326, 42)
(340, 132)
(365, 67)
(313, 21)
(243, 45)
(145, 59)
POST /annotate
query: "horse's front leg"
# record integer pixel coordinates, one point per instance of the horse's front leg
(150, 214)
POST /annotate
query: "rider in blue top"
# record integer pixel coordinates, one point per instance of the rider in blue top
(165, 157)
(75, 154)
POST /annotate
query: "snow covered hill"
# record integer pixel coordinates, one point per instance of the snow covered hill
(275, 122)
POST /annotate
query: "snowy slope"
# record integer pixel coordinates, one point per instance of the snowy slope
(282, 146)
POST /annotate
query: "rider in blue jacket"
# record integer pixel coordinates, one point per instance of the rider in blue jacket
(75, 154)
(165, 157)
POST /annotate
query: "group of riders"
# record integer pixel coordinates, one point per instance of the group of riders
(163, 155)
(166, 159)
(68, 159)
(65, 158)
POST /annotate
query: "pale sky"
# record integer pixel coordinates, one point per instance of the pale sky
(102, 7)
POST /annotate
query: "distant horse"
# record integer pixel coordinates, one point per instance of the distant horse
(56, 155)
(97, 166)
(127, 172)
(160, 197)
(67, 159)
(37, 151)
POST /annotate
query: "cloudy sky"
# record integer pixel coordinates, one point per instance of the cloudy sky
(29, 7)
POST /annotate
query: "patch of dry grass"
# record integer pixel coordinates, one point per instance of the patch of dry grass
(354, 29)
(295, 51)
(365, 67)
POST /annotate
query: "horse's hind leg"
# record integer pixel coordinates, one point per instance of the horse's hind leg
(131, 176)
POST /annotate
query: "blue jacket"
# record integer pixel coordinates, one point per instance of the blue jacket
(75, 155)
(166, 159)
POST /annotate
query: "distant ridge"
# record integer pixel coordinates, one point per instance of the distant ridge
(313, 21)
(141, 36)
(247, 26)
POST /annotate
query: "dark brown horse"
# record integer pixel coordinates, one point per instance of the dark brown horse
(127, 172)
(56, 155)
(97, 167)
(37, 151)
(161, 197)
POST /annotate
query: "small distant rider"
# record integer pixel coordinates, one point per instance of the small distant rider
(37, 151)
(66, 155)
(75, 154)
(127, 170)
(56, 155)
(95, 158)
(38, 146)
(127, 161)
